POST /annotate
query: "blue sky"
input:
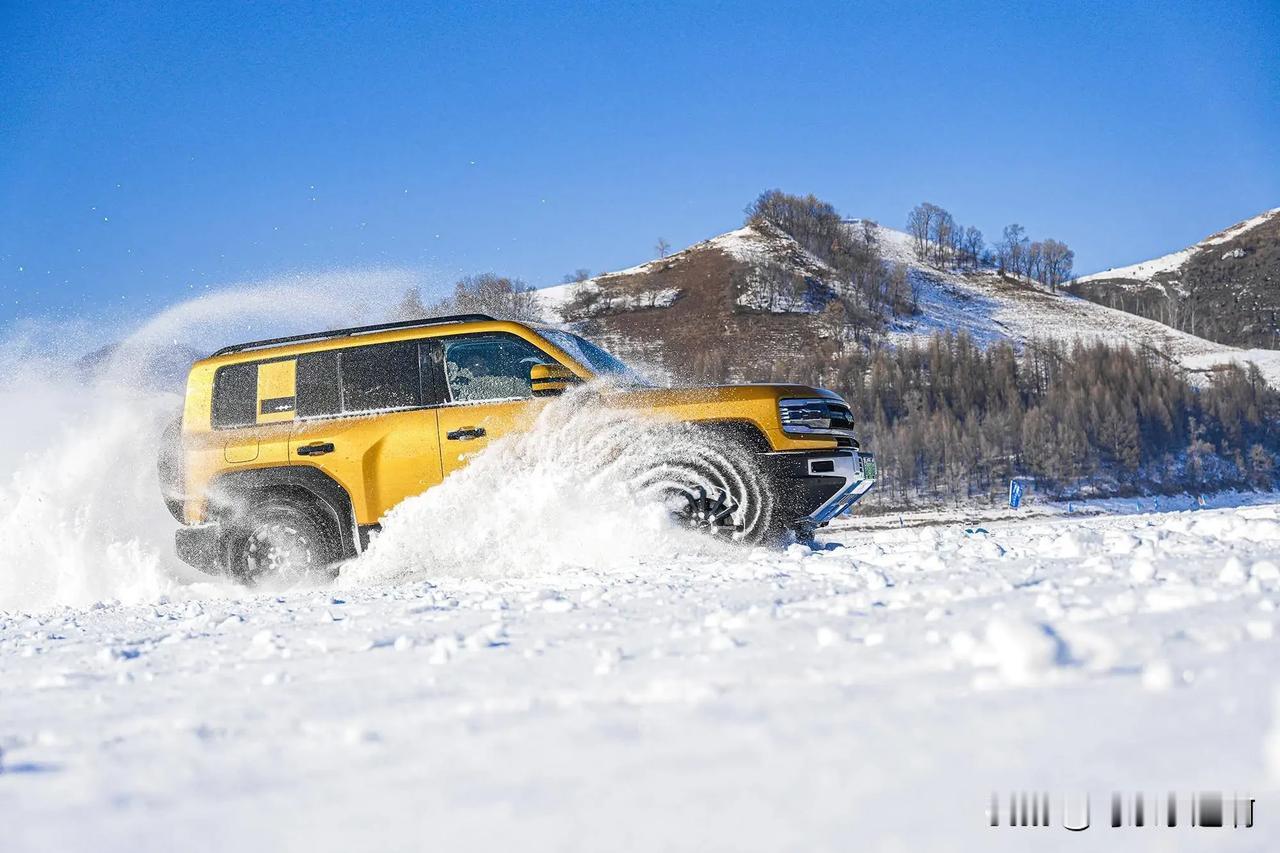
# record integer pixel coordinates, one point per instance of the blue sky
(151, 150)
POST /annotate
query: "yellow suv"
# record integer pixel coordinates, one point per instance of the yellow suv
(290, 451)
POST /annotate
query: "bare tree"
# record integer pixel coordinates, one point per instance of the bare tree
(1031, 261)
(1057, 261)
(498, 296)
(973, 246)
(922, 223)
(1013, 249)
(944, 229)
(410, 306)
(903, 290)
(581, 274)
(662, 247)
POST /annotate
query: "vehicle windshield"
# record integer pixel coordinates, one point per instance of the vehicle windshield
(592, 356)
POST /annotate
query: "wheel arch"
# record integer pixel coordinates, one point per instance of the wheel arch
(234, 491)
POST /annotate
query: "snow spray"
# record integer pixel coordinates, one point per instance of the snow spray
(587, 486)
(81, 517)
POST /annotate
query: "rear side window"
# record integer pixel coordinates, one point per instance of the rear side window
(319, 392)
(323, 384)
(235, 395)
(380, 377)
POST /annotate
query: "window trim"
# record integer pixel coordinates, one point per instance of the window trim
(432, 381)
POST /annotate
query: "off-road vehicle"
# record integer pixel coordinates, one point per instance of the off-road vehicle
(290, 451)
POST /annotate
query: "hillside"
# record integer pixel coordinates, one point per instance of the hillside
(741, 301)
(1225, 287)
(760, 296)
(992, 307)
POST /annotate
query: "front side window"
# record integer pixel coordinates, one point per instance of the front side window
(490, 367)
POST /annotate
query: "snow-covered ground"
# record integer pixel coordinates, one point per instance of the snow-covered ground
(867, 695)
(526, 659)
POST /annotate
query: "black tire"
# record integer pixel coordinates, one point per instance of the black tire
(169, 468)
(282, 541)
(714, 483)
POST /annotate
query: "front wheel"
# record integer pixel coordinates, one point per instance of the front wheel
(280, 542)
(714, 484)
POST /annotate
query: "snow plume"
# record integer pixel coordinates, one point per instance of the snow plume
(81, 518)
(583, 488)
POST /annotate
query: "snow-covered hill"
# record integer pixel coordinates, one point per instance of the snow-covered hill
(733, 278)
(1225, 287)
(742, 300)
(1167, 268)
(755, 248)
(991, 307)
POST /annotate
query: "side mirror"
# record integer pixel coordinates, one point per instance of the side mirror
(547, 380)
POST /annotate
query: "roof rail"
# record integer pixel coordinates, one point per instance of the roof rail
(354, 330)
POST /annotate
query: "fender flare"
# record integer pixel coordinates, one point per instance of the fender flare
(748, 432)
(231, 491)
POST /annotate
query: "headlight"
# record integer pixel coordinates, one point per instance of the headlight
(815, 415)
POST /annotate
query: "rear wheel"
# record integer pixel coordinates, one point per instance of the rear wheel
(282, 542)
(169, 468)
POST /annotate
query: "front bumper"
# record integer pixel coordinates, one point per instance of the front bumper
(813, 487)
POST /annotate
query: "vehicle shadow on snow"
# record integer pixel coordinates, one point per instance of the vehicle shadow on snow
(23, 768)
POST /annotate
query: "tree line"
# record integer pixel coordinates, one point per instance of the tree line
(939, 240)
(949, 420)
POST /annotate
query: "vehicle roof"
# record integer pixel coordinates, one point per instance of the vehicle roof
(427, 327)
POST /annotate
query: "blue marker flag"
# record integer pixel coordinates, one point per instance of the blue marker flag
(1015, 494)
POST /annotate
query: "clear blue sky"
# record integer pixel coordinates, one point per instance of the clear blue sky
(154, 148)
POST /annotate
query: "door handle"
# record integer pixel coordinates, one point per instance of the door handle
(317, 449)
(465, 433)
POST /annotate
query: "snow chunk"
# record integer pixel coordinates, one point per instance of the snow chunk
(1158, 676)
(1142, 571)
(1023, 651)
(1233, 572)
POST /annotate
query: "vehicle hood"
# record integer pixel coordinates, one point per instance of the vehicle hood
(714, 394)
